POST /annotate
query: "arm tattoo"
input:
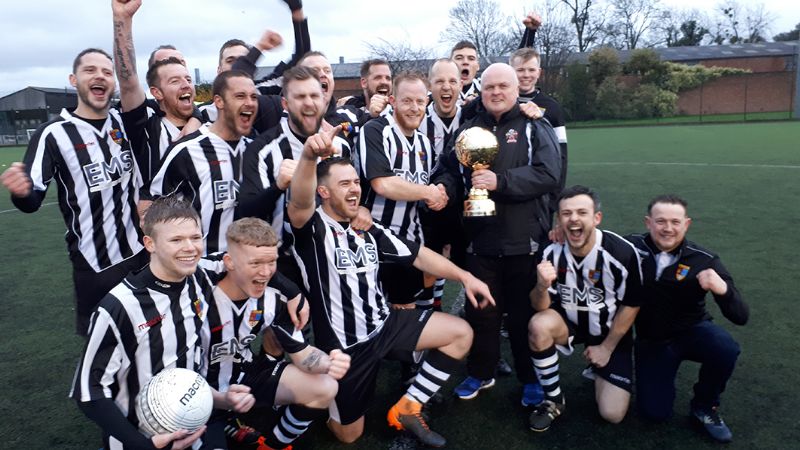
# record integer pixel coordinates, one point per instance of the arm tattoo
(312, 361)
(123, 40)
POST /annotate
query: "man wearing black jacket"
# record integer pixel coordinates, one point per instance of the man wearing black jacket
(502, 247)
(673, 324)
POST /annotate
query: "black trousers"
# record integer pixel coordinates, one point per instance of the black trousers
(510, 280)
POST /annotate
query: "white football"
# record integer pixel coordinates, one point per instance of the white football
(174, 399)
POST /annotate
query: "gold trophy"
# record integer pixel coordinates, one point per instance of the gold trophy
(476, 149)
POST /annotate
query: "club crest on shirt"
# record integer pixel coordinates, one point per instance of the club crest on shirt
(198, 308)
(511, 136)
(681, 272)
(255, 317)
(116, 135)
(594, 275)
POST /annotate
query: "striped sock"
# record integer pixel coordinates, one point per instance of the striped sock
(546, 365)
(438, 293)
(425, 298)
(295, 421)
(433, 373)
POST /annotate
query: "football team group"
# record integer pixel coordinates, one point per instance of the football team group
(194, 231)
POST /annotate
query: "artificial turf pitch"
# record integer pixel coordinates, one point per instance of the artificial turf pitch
(742, 182)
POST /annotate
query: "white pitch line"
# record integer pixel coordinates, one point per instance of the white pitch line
(13, 210)
(628, 163)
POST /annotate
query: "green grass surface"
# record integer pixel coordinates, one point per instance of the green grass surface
(742, 182)
(686, 119)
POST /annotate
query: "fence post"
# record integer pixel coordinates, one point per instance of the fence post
(745, 97)
(701, 101)
(796, 81)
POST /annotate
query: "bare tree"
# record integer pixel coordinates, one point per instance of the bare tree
(735, 24)
(484, 24)
(400, 55)
(554, 36)
(758, 22)
(588, 18)
(635, 19)
(682, 27)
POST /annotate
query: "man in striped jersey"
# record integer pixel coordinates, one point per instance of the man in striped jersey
(588, 291)
(334, 115)
(442, 119)
(348, 307)
(395, 162)
(87, 151)
(252, 297)
(149, 322)
(205, 167)
(270, 160)
(152, 129)
(376, 85)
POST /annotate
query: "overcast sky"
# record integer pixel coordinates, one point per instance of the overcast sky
(41, 37)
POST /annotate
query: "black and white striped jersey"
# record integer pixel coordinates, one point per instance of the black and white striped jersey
(384, 151)
(144, 325)
(260, 196)
(233, 325)
(340, 273)
(437, 131)
(151, 135)
(590, 291)
(471, 90)
(204, 168)
(97, 175)
(208, 111)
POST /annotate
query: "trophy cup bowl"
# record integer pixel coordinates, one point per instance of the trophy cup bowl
(476, 149)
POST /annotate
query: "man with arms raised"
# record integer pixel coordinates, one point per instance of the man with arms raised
(588, 291)
(151, 131)
(87, 151)
(205, 167)
(674, 325)
(348, 307)
(395, 162)
(252, 297)
(150, 322)
(524, 173)
(235, 54)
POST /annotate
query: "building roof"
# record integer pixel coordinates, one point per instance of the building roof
(710, 52)
(676, 54)
(64, 90)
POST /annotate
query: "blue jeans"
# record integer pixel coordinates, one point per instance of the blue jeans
(657, 365)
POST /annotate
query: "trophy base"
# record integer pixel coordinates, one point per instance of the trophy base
(479, 208)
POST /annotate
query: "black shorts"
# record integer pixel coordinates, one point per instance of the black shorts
(618, 371)
(401, 284)
(399, 336)
(263, 375)
(91, 286)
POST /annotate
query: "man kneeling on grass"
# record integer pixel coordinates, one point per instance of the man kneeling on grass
(349, 310)
(588, 291)
(674, 325)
